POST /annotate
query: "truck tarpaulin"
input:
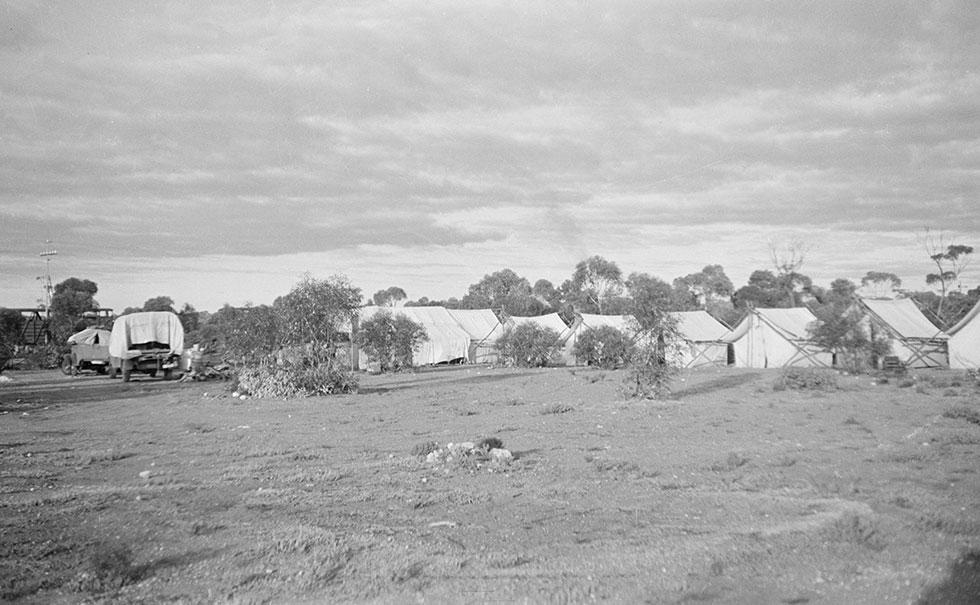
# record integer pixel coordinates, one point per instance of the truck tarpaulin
(141, 328)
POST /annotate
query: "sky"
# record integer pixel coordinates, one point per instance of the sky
(216, 152)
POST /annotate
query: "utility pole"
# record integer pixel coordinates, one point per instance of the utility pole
(48, 288)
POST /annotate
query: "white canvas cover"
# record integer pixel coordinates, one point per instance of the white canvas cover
(776, 338)
(90, 336)
(705, 339)
(913, 338)
(554, 322)
(447, 340)
(964, 341)
(138, 328)
(484, 329)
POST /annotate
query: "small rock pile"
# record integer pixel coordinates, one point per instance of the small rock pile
(487, 453)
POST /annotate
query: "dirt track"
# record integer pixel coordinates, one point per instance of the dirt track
(732, 492)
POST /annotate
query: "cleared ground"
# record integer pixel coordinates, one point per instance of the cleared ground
(158, 491)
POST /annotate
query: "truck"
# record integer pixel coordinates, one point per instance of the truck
(89, 351)
(150, 343)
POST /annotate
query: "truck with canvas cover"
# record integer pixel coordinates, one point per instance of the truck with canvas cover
(147, 343)
(89, 351)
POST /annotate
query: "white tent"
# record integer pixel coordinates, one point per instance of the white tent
(776, 338)
(914, 339)
(447, 340)
(704, 339)
(554, 322)
(964, 341)
(484, 329)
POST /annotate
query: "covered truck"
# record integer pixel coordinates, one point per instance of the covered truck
(148, 343)
(89, 351)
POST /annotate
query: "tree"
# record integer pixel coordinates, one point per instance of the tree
(243, 334)
(11, 325)
(69, 302)
(506, 292)
(389, 297)
(880, 284)
(653, 364)
(190, 319)
(950, 260)
(594, 281)
(390, 340)
(316, 312)
(766, 290)
(698, 290)
(546, 292)
(159, 303)
(787, 259)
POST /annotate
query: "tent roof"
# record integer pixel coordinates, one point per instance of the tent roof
(551, 320)
(969, 317)
(902, 316)
(700, 326)
(791, 323)
(480, 324)
(624, 323)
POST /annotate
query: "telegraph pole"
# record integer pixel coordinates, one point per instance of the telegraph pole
(48, 288)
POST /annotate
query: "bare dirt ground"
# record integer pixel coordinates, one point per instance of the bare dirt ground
(158, 491)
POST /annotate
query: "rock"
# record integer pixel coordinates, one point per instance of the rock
(501, 456)
(433, 457)
(144, 474)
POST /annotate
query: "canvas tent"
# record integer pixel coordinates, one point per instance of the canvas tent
(704, 339)
(964, 341)
(554, 322)
(776, 338)
(484, 329)
(913, 338)
(447, 340)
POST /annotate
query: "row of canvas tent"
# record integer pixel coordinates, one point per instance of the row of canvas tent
(471, 335)
(765, 338)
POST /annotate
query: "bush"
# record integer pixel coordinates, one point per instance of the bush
(651, 372)
(315, 374)
(605, 347)
(529, 346)
(806, 379)
(390, 340)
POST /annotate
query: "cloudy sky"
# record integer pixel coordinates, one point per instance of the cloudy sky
(214, 152)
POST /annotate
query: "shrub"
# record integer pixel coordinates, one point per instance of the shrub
(605, 347)
(318, 373)
(528, 345)
(964, 413)
(806, 379)
(390, 340)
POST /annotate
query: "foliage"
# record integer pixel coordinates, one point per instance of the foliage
(317, 311)
(528, 345)
(697, 290)
(159, 303)
(389, 297)
(190, 319)
(390, 340)
(653, 364)
(11, 324)
(319, 372)
(594, 281)
(950, 260)
(880, 283)
(806, 379)
(241, 334)
(604, 347)
(840, 329)
(69, 302)
(506, 292)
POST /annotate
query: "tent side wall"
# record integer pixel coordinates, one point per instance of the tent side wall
(964, 342)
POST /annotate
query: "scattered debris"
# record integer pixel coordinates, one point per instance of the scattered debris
(219, 372)
(488, 452)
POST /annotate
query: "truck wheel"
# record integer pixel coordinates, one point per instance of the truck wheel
(102, 370)
(168, 374)
(125, 373)
(66, 365)
(113, 372)
(152, 373)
